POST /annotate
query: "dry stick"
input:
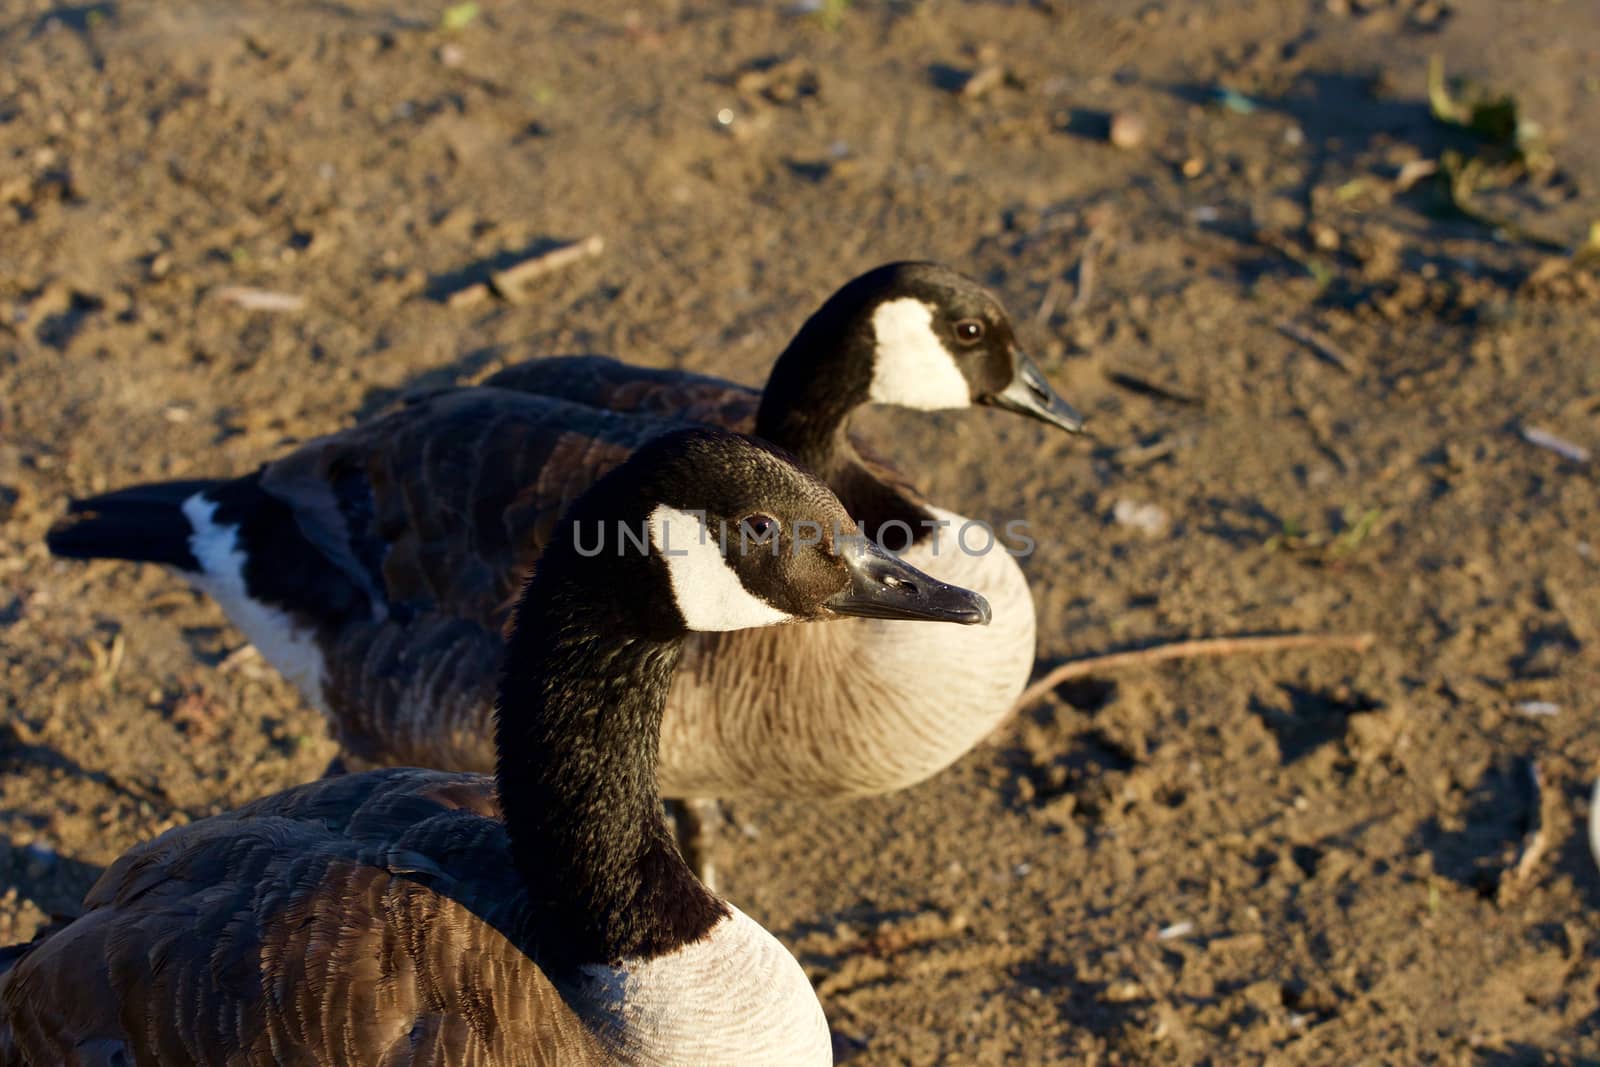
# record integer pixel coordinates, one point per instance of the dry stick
(1319, 344)
(252, 299)
(1204, 646)
(1085, 292)
(244, 654)
(510, 282)
(1533, 842)
(1047, 306)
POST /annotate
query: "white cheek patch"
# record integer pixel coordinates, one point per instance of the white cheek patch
(710, 595)
(911, 368)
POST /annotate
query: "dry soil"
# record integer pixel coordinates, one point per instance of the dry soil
(1313, 857)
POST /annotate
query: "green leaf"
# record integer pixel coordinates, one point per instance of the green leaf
(459, 16)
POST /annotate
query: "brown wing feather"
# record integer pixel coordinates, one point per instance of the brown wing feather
(368, 919)
(443, 504)
(420, 694)
(442, 507)
(601, 382)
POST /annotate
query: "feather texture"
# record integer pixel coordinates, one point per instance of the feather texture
(539, 917)
(367, 919)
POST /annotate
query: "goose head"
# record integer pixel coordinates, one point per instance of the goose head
(742, 537)
(914, 335)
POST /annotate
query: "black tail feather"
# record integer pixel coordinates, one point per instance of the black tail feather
(143, 522)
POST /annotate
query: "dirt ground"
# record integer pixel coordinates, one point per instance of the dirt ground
(1313, 857)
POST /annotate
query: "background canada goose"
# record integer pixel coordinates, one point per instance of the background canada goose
(543, 916)
(375, 567)
(908, 334)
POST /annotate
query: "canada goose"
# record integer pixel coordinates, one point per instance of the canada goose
(375, 567)
(542, 916)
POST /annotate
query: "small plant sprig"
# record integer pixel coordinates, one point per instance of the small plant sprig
(1358, 528)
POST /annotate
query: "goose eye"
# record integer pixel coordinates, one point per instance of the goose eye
(969, 331)
(758, 527)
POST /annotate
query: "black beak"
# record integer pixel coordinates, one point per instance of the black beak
(1030, 394)
(882, 587)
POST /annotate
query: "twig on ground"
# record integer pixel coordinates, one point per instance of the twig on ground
(1559, 445)
(243, 657)
(1086, 263)
(1533, 842)
(1047, 306)
(1318, 344)
(252, 299)
(510, 282)
(107, 659)
(1204, 646)
(1085, 292)
(1413, 172)
(1135, 456)
(1135, 384)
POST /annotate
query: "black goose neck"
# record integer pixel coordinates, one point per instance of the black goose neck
(585, 681)
(819, 381)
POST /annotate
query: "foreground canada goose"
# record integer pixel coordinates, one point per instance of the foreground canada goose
(539, 917)
(374, 567)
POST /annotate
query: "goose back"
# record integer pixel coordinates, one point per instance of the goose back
(373, 918)
(612, 385)
(439, 510)
(447, 501)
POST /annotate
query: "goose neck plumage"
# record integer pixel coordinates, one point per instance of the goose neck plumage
(822, 378)
(809, 397)
(582, 692)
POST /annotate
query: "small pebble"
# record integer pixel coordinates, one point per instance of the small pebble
(984, 80)
(1539, 707)
(1128, 130)
(1150, 518)
(1122, 992)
